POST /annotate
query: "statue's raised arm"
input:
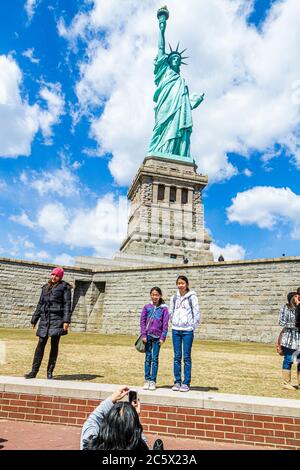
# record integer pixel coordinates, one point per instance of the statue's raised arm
(162, 15)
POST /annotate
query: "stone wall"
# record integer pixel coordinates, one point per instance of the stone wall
(20, 289)
(239, 300)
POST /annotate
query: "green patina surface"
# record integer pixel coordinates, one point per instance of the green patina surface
(173, 103)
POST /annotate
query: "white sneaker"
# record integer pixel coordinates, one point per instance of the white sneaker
(147, 384)
(152, 386)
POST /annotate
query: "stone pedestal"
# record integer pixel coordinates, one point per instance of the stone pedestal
(166, 217)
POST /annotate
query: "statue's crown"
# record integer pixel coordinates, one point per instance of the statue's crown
(176, 52)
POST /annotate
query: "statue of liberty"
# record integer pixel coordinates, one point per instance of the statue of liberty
(173, 108)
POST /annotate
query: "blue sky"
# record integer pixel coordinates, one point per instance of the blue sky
(76, 113)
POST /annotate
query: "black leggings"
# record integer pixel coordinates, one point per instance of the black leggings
(39, 353)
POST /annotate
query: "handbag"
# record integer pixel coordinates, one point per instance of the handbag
(140, 346)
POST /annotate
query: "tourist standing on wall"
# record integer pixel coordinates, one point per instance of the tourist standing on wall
(154, 329)
(290, 338)
(54, 315)
(185, 318)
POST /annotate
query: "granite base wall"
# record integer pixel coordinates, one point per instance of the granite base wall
(239, 301)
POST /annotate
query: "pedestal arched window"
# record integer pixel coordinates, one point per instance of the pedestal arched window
(184, 196)
(161, 192)
(173, 191)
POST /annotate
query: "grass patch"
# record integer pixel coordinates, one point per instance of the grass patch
(218, 366)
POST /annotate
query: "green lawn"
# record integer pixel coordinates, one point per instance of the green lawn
(218, 366)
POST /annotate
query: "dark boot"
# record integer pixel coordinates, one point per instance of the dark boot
(30, 375)
(53, 356)
(37, 359)
(50, 370)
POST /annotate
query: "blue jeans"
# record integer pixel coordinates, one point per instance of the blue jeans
(185, 339)
(151, 358)
(288, 359)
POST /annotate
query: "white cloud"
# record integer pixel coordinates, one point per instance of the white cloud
(248, 172)
(41, 255)
(23, 219)
(20, 247)
(30, 7)
(64, 260)
(62, 182)
(266, 206)
(29, 53)
(53, 218)
(230, 252)
(248, 76)
(20, 121)
(54, 98)
(270, 154)
(101, 228)
(76, 30)
(76, 165)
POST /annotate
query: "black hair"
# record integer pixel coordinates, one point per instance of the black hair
(185, 279)
(290, 296)
(298, 291)
(158, 289)
(120, 430)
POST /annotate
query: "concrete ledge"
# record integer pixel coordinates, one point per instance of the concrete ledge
(162, 396)
(252, 404)
(39, 264)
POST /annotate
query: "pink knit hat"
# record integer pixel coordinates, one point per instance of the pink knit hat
(58, 272)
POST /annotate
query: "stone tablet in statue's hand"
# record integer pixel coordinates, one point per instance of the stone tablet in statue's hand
(196, 99)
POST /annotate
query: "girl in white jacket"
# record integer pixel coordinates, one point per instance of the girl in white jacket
(185, 317)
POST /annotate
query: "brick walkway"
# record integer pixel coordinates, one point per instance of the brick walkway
(22, 435)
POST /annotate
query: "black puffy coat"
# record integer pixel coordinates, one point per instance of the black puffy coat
(53, 310)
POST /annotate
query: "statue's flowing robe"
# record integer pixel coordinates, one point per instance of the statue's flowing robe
(173, 111)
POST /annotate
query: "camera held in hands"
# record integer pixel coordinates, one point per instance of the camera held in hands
(132, 396)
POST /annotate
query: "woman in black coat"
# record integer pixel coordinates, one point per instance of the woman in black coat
(54, 315)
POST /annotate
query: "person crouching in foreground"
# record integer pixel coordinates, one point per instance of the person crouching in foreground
(114, 425)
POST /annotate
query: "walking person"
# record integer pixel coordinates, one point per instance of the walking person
(290, 339)
(185, 318)
(154, 329)
(54, 315)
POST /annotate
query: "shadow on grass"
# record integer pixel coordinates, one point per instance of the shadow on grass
(194, 389)
(77, 377)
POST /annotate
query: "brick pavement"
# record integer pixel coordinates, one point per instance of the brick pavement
(22, 435)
